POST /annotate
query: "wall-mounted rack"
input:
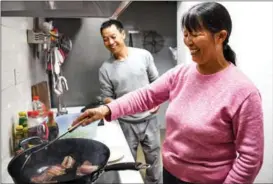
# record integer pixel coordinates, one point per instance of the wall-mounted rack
(37, 37)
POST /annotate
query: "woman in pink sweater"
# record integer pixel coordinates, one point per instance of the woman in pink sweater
(214, 121)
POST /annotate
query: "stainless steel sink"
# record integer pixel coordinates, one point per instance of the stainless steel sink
(109, 177)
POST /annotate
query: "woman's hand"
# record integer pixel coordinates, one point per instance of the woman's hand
(91, 115)
(154, 110)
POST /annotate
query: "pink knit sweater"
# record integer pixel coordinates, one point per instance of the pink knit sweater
(209, 119)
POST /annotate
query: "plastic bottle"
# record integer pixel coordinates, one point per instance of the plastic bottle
(37, 125)
(37, 105)
(52, 127)
(31, 120)
(37, 116)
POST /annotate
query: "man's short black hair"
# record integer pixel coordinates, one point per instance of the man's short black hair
(111, 22)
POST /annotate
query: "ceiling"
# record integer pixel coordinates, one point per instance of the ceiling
(103, 9)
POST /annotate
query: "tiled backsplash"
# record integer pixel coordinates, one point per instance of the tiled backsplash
(19, 70)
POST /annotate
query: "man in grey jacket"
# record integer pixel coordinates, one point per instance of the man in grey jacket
(127, 70)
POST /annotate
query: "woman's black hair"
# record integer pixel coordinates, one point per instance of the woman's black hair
(214, 17)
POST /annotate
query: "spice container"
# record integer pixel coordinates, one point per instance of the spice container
(19, 135)
(25, 132)
(23, 118)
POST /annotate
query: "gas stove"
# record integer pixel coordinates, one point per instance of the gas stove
(110, 177)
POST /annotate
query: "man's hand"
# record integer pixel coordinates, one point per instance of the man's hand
(91, 115)
(154, 110)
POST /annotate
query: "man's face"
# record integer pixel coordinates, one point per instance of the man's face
(113, 39)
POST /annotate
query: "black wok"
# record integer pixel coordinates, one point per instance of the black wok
(80, 149)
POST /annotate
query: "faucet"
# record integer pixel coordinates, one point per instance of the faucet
(61, 109)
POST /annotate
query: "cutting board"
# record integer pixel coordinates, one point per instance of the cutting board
(41, 90)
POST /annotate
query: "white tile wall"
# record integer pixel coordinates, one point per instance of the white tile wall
(7, 68)
(19, 70)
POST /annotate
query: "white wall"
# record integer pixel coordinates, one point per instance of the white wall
(16, 55)
(251, 39)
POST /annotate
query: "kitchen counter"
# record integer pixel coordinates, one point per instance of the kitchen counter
(111, 135)
(115, 139)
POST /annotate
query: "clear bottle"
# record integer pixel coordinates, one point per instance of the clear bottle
(32, 122)
(37, 125)
(39, 106)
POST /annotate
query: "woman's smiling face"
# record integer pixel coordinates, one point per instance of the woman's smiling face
(201, 44)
